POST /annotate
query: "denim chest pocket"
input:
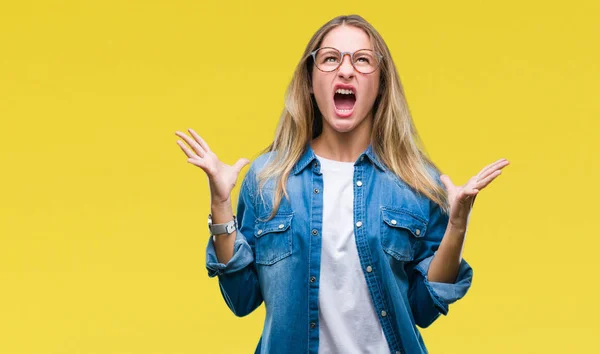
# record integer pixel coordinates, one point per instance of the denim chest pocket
(400, 232)
(273, 239)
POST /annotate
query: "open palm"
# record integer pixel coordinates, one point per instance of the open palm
(461, 198)
(221, 177)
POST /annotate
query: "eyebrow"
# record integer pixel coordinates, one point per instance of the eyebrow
(328, 46)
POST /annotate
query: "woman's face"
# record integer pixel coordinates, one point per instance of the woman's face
(343, 113)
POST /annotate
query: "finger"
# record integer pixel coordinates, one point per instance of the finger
(201, 141)
(491, 168)
(484, 182)
(446, 181)
(485, 171)
(193, 144)
(473, 192)
(186, 150)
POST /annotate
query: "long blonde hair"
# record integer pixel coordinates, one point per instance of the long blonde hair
(394, 138)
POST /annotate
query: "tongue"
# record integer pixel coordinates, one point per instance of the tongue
(344, 101)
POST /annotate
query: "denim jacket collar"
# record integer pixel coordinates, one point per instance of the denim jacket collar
(309, 155)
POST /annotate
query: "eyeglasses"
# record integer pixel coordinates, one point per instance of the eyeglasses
(329, 59)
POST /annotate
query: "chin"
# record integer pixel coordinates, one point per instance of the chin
(344, 128)
(342, 125)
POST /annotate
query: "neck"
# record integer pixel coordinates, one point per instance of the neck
(344, 147)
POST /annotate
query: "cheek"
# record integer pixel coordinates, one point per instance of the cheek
(320, 92)
(373, 90)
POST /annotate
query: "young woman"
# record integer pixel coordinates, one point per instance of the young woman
(345, 229)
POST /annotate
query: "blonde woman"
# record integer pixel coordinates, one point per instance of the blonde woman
(344, 227)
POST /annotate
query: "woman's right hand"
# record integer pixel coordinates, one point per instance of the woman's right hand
(221, 177)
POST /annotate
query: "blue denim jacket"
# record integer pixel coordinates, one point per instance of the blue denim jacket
(277, 262)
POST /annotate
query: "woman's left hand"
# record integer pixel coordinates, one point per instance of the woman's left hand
(461, 198)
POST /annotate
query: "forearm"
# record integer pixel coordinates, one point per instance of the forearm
(230, 258)
(224, 244)
(446, 262)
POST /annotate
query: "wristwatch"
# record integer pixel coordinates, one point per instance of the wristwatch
(218, 229)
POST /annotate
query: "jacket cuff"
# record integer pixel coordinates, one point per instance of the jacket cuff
(444, 294)
(242, 257)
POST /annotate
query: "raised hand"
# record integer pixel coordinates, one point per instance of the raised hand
(461, 198)
(221, 177)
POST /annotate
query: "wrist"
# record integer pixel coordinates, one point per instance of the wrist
(223, 227)
(220, 205)
(457, 227)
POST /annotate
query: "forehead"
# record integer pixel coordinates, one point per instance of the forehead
(347, 38)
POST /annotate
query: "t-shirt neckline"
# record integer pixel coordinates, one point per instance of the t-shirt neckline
(334, 164)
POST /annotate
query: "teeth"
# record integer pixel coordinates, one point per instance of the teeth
(344, 92)
(344, 110)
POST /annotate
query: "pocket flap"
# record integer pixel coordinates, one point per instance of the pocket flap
(406, 220)
(279, 223)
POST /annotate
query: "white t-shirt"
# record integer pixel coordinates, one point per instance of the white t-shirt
(347, 320)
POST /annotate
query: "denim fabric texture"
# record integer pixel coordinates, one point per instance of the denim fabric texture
(277, 261)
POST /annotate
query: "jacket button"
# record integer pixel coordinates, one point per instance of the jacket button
(313, 325)
(369, 269)
(394, 222)
(418, 232)
(281, 226)
(315, 232)
(359, 224)
(259, 232)
(316, 191)
(359, 183)
(383, 313)
(313, 279)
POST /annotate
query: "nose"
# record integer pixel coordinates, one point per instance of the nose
(346, 69)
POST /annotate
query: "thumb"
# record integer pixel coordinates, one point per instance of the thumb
(446, 181)
(240, 164)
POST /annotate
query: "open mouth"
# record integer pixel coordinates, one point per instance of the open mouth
(344, 100)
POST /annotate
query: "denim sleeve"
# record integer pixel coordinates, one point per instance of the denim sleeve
(238, 280)
(430, 299)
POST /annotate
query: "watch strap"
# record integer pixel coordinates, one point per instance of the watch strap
(218, 229)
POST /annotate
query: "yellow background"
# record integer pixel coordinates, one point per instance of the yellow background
(103, 222)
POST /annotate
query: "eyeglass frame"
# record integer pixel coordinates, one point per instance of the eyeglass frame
(379, 56)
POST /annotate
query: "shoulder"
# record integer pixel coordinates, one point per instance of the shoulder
(412, 199)
(261, 161)
(256, 166)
